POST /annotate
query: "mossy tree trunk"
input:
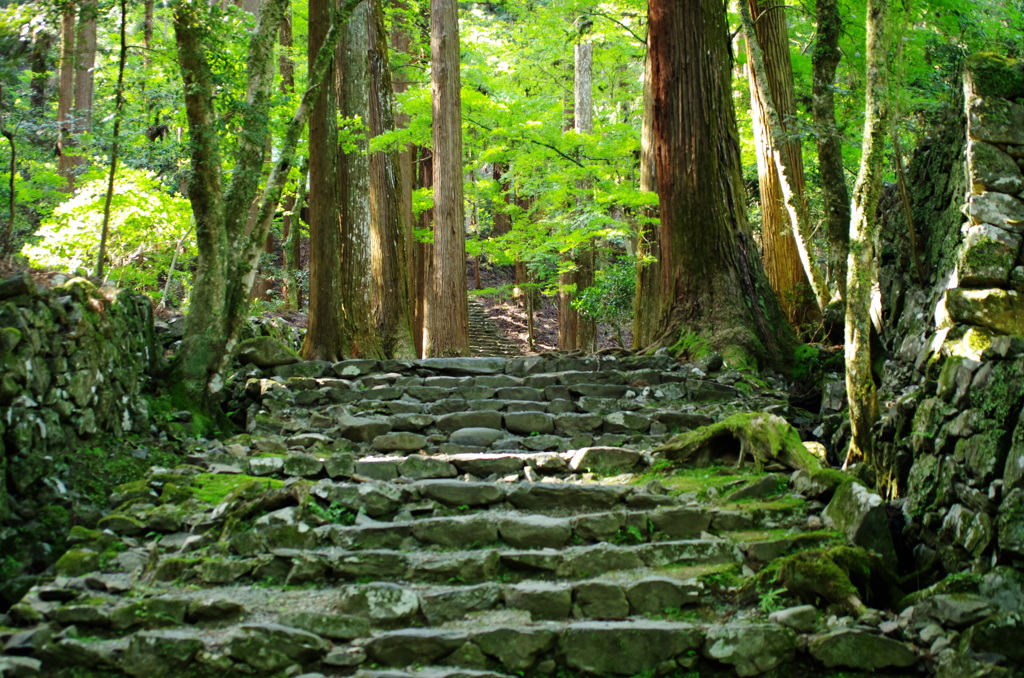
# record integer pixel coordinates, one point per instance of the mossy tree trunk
(447, 310)
(324, 334)
(825, 59)
(647, 322)
(713, 284)
(228, 253)
(784, 228)
(860, 385)
(359, 335)
(389, 250)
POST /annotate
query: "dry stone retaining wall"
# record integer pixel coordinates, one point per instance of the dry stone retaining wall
(73, 366)
(956, 431)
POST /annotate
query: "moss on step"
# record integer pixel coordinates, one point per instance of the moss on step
(215, 488)
(842, 576)
(757, 438)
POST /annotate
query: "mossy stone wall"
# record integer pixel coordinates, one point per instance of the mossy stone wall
(954, 383)
(74, 362)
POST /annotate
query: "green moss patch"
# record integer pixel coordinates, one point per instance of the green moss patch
(215, 488)
(996, 76)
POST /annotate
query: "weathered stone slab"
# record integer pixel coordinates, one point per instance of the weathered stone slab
(419, 467)
(862, 650)
(535, 531)
(543, 600)
(413, 646)
(625, 648)
(457, 493)
(528, 423)
(549, 496)
(457, 531)
(464, 365)
(449, 423)
(605, 459)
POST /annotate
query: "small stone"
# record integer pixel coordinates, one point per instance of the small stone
(802, 618)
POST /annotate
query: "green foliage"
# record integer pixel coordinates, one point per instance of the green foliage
(146, 226)
(334, 513)
(610, 298)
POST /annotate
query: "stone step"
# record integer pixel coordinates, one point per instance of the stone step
(305, 563)
(485, 648)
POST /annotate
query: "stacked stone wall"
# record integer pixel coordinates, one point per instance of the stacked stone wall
(954, 390)
(73, 367)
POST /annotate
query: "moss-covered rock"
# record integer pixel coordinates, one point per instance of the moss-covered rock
(76, 562)
(758, 438)
(265, 352)
(991, 75)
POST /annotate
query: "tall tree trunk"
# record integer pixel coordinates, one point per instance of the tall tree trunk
(713, 285)
(583, 89)
(42, 42)
(85, 64)
(447, 312)
(860, 385)
(228, 255)
(323, 340)
(825, 59)
(291, 230)
(360, 338)
(647, 320)
(66, 95)
(407, 179)
(389, 253)
(782, 261)
(118, 106)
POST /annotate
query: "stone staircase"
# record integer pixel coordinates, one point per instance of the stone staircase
(443, 518)
(485, 339)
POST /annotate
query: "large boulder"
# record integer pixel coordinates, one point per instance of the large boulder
(860, 514)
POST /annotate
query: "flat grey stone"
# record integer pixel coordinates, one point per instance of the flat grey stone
(361, 429)
(464, 365)
(410, 421)
(572, 423)
(605, 459)
(541, 443)
(459, 493)
(448, 423)
(527, 423)
(303, 465)
(606, 648)
(547, 496)
(456, 532)
(475, 436)
(862, 650)
(482, 465)
(420, 467)
(802, 618)
(535, 531)
(444, 605)
(413, 646)
(543, 600)
(680, 522)
(333, 626)
(658, 595)
(601, 599)
(401, 441)
(626, 422)
(380, 602)
(516, 649)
